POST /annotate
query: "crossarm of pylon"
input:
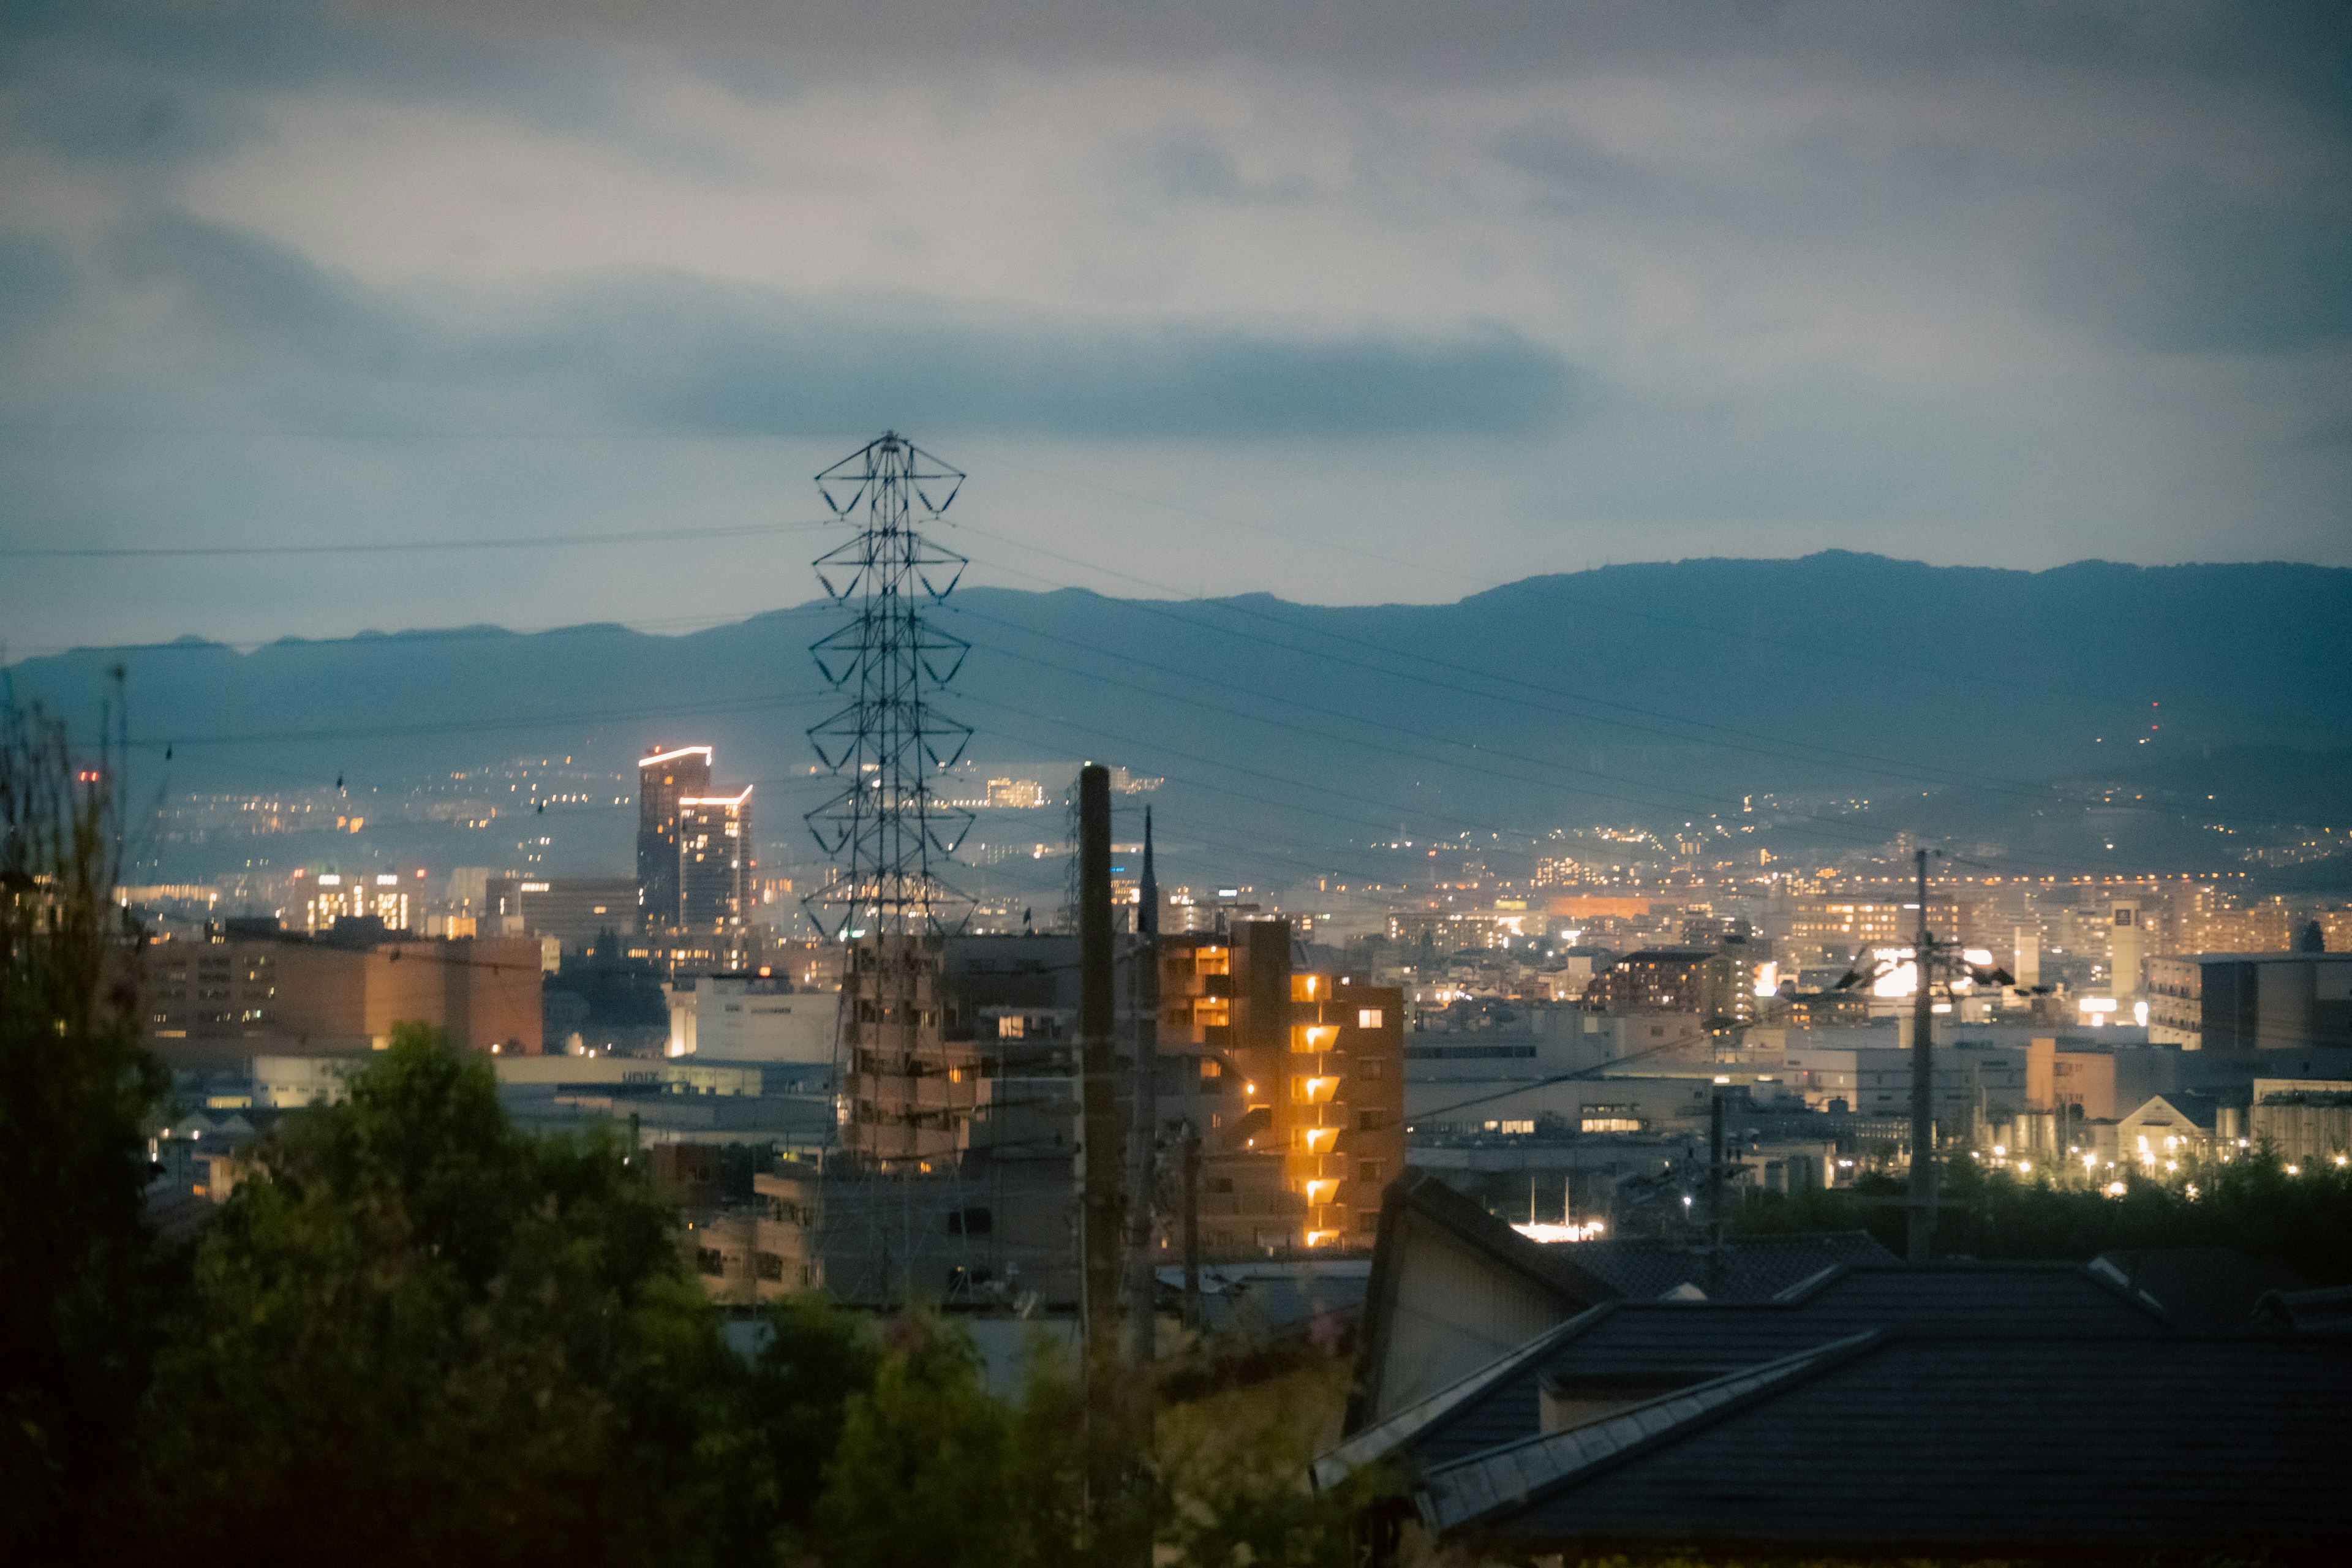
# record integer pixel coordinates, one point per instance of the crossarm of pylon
(942, 653)
(944, 740)
(839, 740)
(841, 654)
(844, 569)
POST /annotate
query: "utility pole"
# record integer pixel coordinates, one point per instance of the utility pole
(1102, 1208)
(1715, 1261)
(1921, 1241)
(1714, 1169)
(1141, 1280)
(1192, 1225)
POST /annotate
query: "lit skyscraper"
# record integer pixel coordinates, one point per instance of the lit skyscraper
(714, 862)
(665, 778)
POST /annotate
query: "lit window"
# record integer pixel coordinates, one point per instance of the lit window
(1368, 1018)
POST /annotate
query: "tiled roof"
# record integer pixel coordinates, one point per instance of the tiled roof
(1500, 1478)
(2327, 1311)
(1986, 1444)
(1745, 1268)
(1696, 1340)
(2204, 1288)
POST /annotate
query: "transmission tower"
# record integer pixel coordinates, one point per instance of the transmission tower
(907, 1088)
(887, 833)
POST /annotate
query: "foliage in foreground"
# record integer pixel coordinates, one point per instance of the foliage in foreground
(76, 1306)
(423, 1330)
(416, 1333)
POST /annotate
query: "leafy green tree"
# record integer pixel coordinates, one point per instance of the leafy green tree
(932, 1469)
(787, 1424)
(1235, 1471)
(74, 1089)
(423, 1335)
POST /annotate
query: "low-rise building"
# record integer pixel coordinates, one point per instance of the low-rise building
(2304, 1120)
(218, 1001)
(2251, 1001)
(2168, 1131)
(743, 1018)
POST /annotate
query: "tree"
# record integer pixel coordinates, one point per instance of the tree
(815, 1359)
(422, 1335)
(1234, 1471)
(932, 1469)
(74, 1089)
(2251, 1204)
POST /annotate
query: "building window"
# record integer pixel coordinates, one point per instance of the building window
(1370, 1121)
(1369, 1221)
(1368, 1170)
(971, 1222)
(771, 1267)
(708, 1261)
(1368, 1018)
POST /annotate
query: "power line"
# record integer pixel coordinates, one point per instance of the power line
(1916, 772)
(1385, 725)
(393, 547)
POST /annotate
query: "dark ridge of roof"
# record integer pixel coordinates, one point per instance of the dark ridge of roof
(1745, 1268)
(1558, 1269)
(2325, 1311)
(2204, 1288)
(1957, 1301)
(2001, 1298)
(1987, 1444)
(1461, 1495)
(1421, 1194)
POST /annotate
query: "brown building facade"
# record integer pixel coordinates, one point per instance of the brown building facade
(213, 1003)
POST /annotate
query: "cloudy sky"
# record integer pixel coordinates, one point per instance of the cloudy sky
(1345, 302)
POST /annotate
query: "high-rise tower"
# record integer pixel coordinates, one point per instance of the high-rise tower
(714, 862)
(665, 776)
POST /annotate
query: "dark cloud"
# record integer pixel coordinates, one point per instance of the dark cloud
(2193, 270)
(676, 355)
(35, 285)
(150, 82)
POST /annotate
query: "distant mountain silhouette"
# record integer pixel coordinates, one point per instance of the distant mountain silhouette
(1645, 693)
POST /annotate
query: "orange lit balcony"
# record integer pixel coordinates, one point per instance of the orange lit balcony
(1318, 1140)
(1315, 1037)
(1313, 1091)
(1309, 987)
(1321, 1238)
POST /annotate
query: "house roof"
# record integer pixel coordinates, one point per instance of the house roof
(2197, 1110)
(1500, 1478)
(1693, 1341)
(1747, 1269)
(1419, 1194)
(2327, 1311)
(1275, 1296)
(2203, 1287)
(1918, 1440)
(1579, 1274)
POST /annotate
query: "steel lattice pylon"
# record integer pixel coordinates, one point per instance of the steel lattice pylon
(886, 831)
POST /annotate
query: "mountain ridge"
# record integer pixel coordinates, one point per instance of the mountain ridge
(1651, 689)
